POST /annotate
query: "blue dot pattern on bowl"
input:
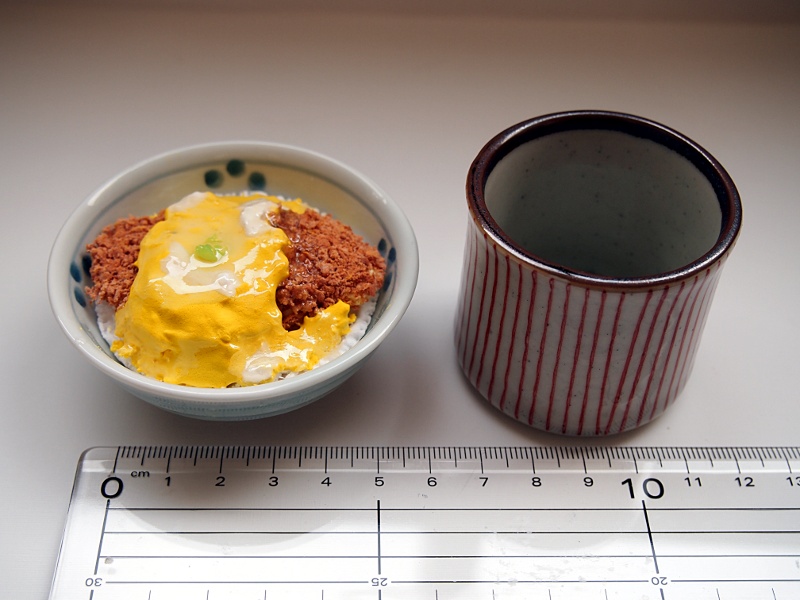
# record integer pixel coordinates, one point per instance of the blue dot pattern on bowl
(214, 178)
(390, 255)
(235, 167)
(257, 181)
(77, 276)
(86, 263)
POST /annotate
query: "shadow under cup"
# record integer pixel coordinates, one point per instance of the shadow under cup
(593, 250)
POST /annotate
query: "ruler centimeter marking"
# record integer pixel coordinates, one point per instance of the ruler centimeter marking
(439, 523)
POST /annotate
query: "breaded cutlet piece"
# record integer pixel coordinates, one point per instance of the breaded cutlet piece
(113, 256)
(327, 262)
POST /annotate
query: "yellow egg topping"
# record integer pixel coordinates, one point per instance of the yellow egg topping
(202, 310)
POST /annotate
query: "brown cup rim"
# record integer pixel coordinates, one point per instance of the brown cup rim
(516, 135)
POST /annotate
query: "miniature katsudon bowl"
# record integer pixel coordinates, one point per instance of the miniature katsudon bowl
(253, 170)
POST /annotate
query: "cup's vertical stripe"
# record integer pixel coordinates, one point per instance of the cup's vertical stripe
(609, 357)
(542, 342)
(488, 317)
(627, 364)
(465, 305)
(512, 342)
(554, 378)
(688, 356)
(481, 316)
(463, 301)
(592, 352)
(469, 294)
(694, 335)
(576, 362)
(686, 326)
(671, 347)
(469, 342)
(644, 357)
(659, 352)
(503, 309)
(699, 328)
(528, 327)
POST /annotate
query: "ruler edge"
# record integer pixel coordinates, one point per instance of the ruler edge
(435, 452)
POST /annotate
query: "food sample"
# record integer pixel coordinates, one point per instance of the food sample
(231, 290)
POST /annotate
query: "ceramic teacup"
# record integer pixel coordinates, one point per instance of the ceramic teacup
(594, 247)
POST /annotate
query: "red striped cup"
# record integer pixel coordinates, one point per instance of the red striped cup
(595, 243)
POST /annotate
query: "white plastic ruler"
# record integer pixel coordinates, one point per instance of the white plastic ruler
(432, 523)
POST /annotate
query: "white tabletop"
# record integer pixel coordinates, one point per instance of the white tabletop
(408, 97)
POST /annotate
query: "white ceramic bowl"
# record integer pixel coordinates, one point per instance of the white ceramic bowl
(234, 167)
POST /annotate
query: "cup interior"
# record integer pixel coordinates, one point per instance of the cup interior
(604, 200)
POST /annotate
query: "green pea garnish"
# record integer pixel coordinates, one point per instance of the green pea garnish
(211, 251)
